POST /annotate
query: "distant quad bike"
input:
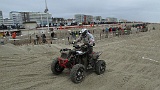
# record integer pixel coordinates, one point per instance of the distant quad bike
(126, 32)
(78, 61)
(117, 32)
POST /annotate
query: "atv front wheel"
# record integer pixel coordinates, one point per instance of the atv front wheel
(77, 73)
(56, 68)
(100, 67)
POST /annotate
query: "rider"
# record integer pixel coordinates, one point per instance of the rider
(87, 39)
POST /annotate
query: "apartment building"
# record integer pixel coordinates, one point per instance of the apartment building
(111, 19)
(16, 17)
(81, 18)
(97, 19)
(39, 17)
(1, 18)
(8, 22)
(122, 20)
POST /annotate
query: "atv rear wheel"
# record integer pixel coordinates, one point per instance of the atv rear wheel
(77, 73)
(100, 67)
(56, 68)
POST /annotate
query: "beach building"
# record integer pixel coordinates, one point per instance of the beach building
(79, 18)
(71, 22)
(111, 19)
(8, 22)
(85, 19)
(1, 18)
(58, 21)
(97, 19)
(39, 17)
(16, 17)
(123, 20)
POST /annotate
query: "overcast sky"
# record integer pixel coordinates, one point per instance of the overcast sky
(134, 10)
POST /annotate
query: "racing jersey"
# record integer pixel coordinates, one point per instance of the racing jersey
(89, 39)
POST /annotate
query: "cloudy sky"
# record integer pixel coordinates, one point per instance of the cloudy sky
(134, 10)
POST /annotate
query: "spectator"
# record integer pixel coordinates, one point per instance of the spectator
(103, 30)
(14, 35)
(107, 30)
(7, 34)
(110, 29)
(37, 39)
(2, 41)
(73, 35)
(43, 38)
(52, 35)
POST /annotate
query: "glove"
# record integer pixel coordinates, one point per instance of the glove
(73, 42)
(85, 46)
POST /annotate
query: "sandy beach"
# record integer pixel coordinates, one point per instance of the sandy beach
(133, 63)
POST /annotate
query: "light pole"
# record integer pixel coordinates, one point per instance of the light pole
(42, 20)
(47, 21)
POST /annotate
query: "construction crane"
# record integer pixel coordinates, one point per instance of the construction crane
(46, 11)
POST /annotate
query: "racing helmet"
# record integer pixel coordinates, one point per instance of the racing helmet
(84, 32)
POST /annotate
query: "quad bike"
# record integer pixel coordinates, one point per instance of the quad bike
(117, 33)
(125, 32)
(78, 61)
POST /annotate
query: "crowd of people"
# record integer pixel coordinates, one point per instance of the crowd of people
(7, 34)
(126, 30)
(73, 35)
